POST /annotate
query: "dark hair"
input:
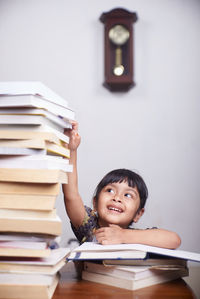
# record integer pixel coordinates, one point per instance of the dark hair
(124, 175)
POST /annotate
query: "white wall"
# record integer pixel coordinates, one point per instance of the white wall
(153, 128)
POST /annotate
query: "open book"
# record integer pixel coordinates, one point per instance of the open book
(94, 251)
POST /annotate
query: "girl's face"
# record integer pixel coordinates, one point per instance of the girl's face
(118, 204)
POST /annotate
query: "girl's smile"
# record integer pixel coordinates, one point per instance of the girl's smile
(115, 209)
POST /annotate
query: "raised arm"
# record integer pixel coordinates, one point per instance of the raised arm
(73, 201)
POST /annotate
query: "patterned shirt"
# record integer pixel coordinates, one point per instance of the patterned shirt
(85, 232)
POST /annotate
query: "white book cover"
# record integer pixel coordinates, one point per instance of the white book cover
(21, 151)
(34, 120)
(104, 255)
(25, 279)
(62, 121)
(55, 256)
(22, 101)
(23, 244)
(31, 88)
(40, 128)
(36, 162)
(23, 249)
(25, 237)
(91, 248)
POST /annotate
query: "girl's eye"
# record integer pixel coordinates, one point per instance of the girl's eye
(128, 195)
(110, 190)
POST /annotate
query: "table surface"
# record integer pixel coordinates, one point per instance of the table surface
(72, 287)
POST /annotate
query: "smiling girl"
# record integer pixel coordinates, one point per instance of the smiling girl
(118, 202)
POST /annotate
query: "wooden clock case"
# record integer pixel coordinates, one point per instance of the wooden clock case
(124, 82)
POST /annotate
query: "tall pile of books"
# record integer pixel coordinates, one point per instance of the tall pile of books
(34, 162)
(131, 266)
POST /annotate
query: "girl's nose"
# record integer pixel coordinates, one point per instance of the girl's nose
(117, 198)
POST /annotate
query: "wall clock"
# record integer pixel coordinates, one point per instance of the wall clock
(118, 49)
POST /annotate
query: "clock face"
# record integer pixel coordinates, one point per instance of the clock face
(119, 35)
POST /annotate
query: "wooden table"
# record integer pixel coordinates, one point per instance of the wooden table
(72, 287)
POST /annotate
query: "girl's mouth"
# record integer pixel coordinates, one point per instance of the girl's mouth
(115, 209)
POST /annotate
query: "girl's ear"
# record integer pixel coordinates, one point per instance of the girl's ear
(138, 215)
(94, 204)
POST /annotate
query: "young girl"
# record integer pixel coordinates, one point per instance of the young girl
(118, 201)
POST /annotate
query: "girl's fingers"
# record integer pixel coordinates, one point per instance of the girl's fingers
(99, 230)
(74, 125)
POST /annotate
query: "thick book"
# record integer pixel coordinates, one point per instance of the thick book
(35, 88)
(30, 214)
(90, 250)
(29, 147)
(34, 101)
(24, 249)
(27, 201)
(36, 162)
(133, 284)
(33, 175)
(23, 135)
(28, 286)
(153, 260)
(57, 150)
(23, 143)
(31, 88)
(62, 121)
(31, 196)
(131, 272)
(26, 221)
(28, 132)
(51, 241)
(18, 188)
(21, 151)
(47, 265)
(31, 120)
(48, 239)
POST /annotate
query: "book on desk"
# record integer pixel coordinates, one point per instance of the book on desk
(130, 277)
(131, 266)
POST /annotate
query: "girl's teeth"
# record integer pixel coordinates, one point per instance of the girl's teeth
(114, 209)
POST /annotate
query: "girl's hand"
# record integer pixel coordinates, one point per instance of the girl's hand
(74, 137)
(113, 234)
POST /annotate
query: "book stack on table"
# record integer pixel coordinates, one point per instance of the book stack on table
(131, 266)
(34, 162)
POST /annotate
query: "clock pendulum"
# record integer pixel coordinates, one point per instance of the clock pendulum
(118, 35)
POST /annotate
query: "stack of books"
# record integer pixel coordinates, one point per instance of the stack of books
(131, 266)
(34, 162)
(23, 276)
